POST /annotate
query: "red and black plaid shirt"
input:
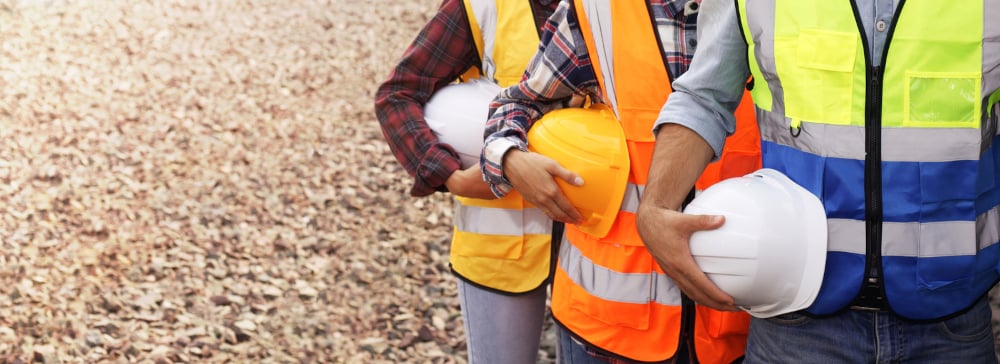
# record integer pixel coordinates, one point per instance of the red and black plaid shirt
(442, 51)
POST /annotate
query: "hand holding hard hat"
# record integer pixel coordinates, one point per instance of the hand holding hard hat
(770, 253)
(539, 179)
(589, 142)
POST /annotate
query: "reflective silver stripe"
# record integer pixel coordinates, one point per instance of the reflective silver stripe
(598, 13)
(845, 236)
(496, 221)
(908, 144)
(633, 193)
(988, 228)
(926, 240)
(820, 139)
(609, 285)
(485, 12)
(991, 47)
(762, 14)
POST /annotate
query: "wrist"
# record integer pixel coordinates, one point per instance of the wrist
(495, 154)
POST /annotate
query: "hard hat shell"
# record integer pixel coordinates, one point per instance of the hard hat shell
(457, 114)
(770, 253)
(591, 143)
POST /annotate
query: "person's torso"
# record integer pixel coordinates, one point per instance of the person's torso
(894, 130)
(608, 291)
(502, 244)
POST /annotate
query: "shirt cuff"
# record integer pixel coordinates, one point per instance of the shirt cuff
(492, 164)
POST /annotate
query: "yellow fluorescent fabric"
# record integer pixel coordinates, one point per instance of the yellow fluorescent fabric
(816, 65)
(511, 255)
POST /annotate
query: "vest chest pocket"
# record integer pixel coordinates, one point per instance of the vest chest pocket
(816, 71)
(942, 99)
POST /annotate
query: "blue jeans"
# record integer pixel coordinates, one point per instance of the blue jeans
(499, 328)
(572, 351)
(872, 337)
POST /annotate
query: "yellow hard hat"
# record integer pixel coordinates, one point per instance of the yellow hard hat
(591, 143)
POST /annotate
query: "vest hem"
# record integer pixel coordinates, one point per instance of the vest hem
(894, 313)
(541, 285)
(604, 352)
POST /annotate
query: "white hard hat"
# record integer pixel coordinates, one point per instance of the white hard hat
(457, 114)
(770, 253)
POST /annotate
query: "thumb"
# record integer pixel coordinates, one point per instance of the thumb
(706, 222)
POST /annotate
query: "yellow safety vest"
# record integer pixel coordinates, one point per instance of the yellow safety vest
(502, 244)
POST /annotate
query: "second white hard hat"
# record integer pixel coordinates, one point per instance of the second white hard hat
(457, 114)
(770, 253)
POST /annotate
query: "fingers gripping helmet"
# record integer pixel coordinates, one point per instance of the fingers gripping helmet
(770, 253)
(591, 143)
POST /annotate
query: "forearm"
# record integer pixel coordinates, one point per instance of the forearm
(560, 75)
(414, 145)
(679, 157)
(400, 100)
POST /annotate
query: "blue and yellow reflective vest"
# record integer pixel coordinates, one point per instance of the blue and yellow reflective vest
(903, 155)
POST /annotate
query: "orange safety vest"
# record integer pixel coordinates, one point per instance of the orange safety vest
(609, 291)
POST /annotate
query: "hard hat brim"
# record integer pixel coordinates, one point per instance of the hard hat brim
(812, 276)
(815, 224)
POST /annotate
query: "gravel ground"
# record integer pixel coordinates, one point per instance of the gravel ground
(188, 181)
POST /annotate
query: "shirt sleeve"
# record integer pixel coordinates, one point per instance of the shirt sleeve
(705, 97)
(559, 75)
(441, 52)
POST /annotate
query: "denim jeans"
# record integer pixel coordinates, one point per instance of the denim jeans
(499, 328)
(872, 337)
(572, 351)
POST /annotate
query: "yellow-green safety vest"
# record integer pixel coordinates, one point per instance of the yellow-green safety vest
(903, 155)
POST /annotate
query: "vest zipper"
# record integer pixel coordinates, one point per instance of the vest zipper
(872, 286)
(872, 293)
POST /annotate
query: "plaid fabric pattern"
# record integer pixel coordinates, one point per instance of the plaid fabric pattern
(562, 75)
(442, 51)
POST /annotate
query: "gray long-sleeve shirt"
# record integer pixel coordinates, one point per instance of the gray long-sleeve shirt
(706, 96)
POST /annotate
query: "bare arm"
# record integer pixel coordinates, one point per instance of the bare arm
(678, 159)
(692, 128)
(469, 183)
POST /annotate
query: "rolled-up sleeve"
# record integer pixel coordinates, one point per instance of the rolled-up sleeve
(705, 97)
(559, 75)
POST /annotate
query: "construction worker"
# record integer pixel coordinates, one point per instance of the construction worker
(887, 111)
(500, 250)
(610, 301)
